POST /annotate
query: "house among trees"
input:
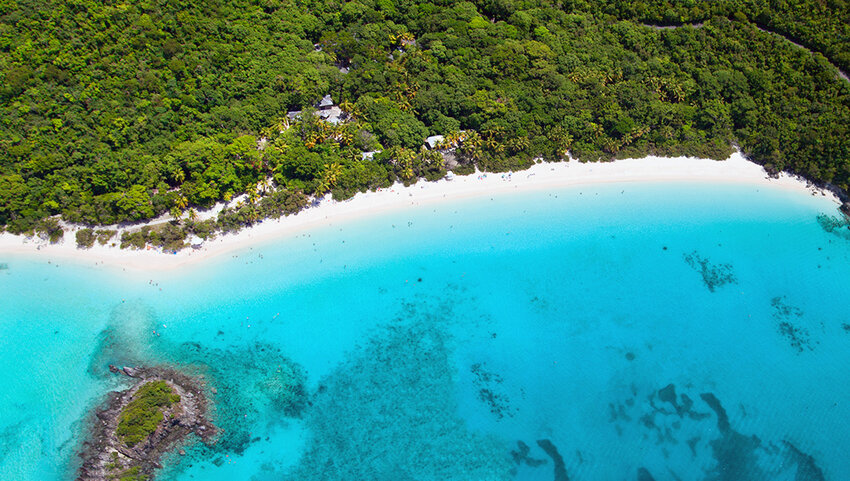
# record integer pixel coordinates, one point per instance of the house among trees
(437, 143)
(433, 142)
(328, 111)
(326, 103)
(325, 109)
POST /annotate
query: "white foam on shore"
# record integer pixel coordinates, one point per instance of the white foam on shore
(542, 176)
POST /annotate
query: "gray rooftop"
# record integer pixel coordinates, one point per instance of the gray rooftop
(333, 114)
(326, 102)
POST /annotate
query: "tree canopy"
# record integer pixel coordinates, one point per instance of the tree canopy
(115, 112)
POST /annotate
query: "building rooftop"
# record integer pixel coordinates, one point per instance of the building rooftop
(326, 102)
(433, 141)
(332, 114)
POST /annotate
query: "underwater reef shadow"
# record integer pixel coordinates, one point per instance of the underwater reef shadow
(700, 425)
(389, 410)
(713, 275)
(788, 324)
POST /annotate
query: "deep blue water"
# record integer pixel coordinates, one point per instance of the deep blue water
(634, 332)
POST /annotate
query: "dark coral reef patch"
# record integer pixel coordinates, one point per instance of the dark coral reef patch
(713, 275)
(788, 317)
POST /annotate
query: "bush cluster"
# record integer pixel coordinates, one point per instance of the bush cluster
(141, 416)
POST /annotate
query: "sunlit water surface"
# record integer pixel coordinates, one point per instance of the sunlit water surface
(617, 332)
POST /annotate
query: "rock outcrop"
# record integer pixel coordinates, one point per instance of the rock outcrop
(105, 456)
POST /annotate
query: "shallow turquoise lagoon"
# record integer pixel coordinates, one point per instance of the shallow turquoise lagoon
(617, 332)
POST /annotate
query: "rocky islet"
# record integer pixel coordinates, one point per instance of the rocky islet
(107, 454)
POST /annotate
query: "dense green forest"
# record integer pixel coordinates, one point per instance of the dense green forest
(823, 26)
(119, 112)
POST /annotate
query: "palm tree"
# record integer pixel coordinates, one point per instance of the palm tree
(471, 146)
(252, 202)
(333, 172)
(280, 144)
(450, 140)
(346, 106)
(350, 108)
(252, 193)
(596, 129)
(178, 175)
(610, 145)
(322, 187)
(403, 159)
(343, 135)
(310, 141)
(518, 144)
(281, 125)
(402, 100)
(328, 178)
(562, 139)
(180, 204)
(431, 157)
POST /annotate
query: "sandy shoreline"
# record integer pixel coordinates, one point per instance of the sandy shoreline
(542, 176)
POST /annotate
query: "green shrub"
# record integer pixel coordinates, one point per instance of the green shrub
(132, 474)
(169, 236)
(135, 240)
(103, 236)
(204, 229)
(49, 229)
(85, 238)
(141, 416)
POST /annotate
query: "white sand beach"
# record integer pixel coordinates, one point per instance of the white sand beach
(542, 176)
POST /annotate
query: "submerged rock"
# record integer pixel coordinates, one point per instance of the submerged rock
(644, 475)
(807, 469)
(521, 455)
(668, 394)
(171, 406)
(560, 466)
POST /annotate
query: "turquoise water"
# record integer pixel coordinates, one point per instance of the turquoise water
(635, 332)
